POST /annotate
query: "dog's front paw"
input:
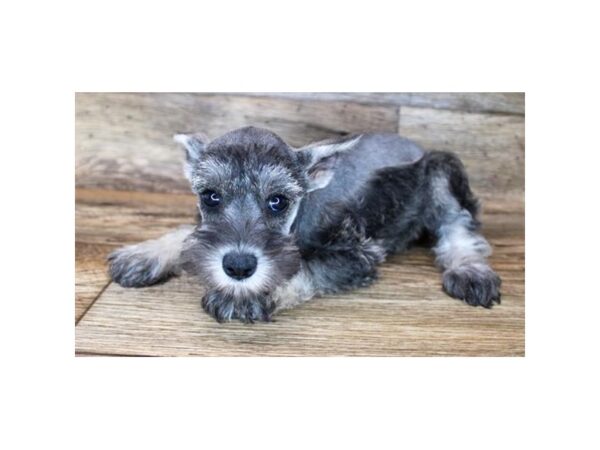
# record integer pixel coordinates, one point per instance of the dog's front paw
(131, 267)
(225, 307)
(475, 284)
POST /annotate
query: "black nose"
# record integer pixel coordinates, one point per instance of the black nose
(239, 265)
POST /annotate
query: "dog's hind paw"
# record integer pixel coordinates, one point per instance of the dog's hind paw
(477, 285)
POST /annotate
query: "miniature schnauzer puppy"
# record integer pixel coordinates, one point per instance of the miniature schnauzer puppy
(278, 226)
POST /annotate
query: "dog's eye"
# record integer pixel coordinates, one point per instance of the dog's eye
(210, 198)
(277, 203)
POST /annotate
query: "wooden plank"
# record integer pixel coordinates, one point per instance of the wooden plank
(124, 141)
(492, 147)
(105, 220)
(488, 102)
(91, 275)
(128, 217)
(405, 313)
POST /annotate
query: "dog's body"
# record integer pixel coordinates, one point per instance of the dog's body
(279, 226)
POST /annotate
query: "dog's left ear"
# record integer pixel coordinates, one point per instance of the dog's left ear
(194, 144)
(320, 158)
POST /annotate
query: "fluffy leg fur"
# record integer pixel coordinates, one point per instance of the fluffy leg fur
(349, 261)
(460, 251)
(149, 262)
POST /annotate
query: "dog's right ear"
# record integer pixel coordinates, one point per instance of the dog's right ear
(194, 144)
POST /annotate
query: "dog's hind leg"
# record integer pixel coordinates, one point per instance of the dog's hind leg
(149, 262)
(460, 250)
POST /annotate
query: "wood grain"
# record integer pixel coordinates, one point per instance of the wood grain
(91, 276)
(105, 220)
(128, 217)
(405, 313)
(489, 102)
(124, 141)
(492, 147)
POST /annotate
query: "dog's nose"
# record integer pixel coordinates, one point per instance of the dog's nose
(239, 265)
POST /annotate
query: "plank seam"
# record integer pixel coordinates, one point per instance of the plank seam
(268, 96)
(86, 353)
(93, 302)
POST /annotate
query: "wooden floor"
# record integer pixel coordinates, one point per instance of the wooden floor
(130, 187)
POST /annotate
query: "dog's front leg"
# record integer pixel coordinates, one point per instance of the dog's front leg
(149, 262)
(224, 306)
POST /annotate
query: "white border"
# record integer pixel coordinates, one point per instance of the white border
(548, 399)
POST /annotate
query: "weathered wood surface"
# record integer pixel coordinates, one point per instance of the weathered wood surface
(124, 141)
(91, 276)
(105, 220)
(128, 217)
(405, 313)
(491, 146)
(490, 102)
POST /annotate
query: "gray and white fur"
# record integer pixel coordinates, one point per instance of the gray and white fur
(278, 226)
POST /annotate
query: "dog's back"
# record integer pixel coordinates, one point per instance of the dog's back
(357, 184)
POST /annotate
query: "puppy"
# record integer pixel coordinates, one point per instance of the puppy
(278, 226)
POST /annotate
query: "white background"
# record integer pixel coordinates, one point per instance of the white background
(50, 399)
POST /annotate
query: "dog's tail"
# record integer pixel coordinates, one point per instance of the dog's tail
(149, 262)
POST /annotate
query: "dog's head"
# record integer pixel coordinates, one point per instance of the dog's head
(250, 184)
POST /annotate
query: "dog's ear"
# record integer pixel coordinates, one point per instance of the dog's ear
(194, 144)
(320, 158)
